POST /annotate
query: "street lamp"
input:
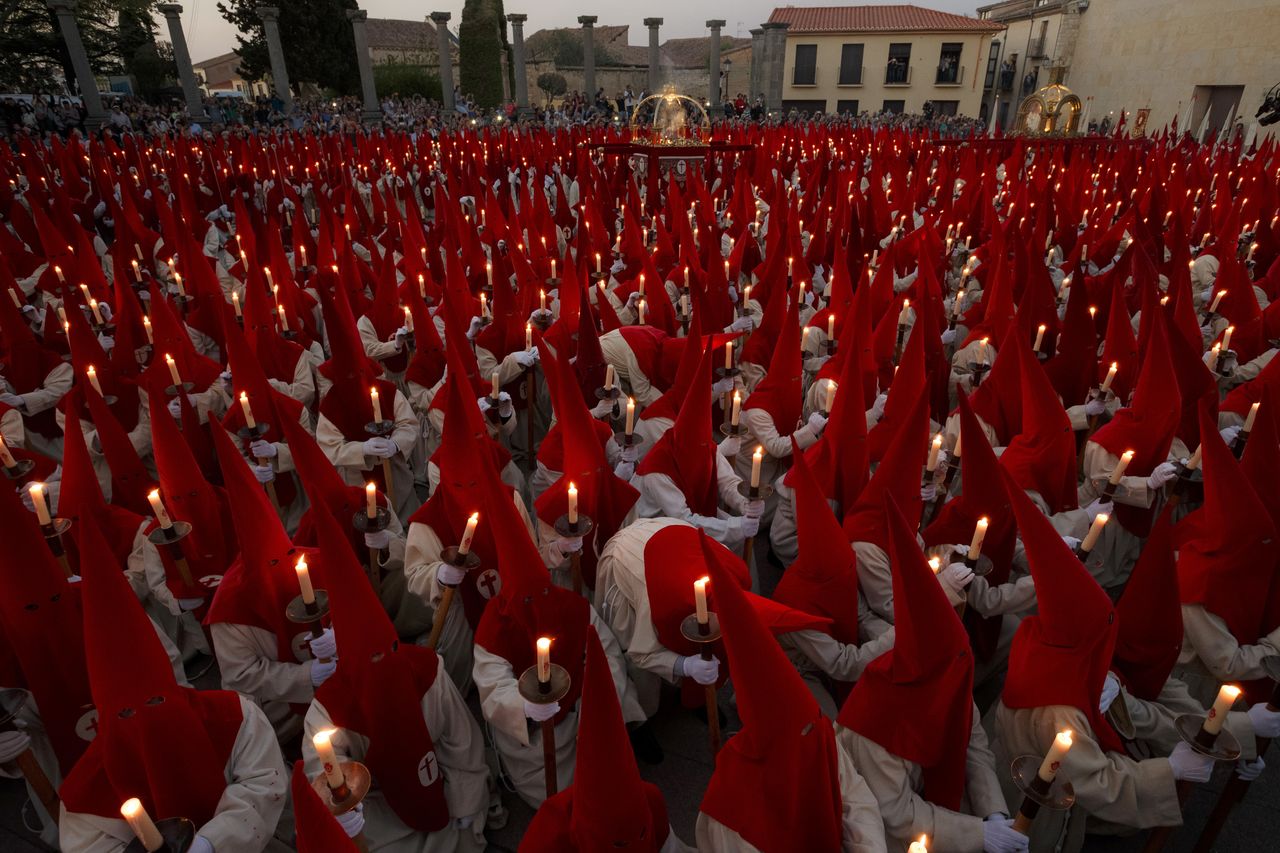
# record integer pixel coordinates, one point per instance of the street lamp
(728, 66)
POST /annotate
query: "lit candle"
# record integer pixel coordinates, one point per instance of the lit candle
(57, 270)
(640, 312)
(248, 412)
(1111, 374)
(573, 504)
(1039, 338)
(6, 458)
(905, 313)
(93, 379)
(464, 547)
(982, 351)
(700, 599)
(641, 287)
(979, 535)
(84, 291)
(1194, 462)
(494, 380)
(934, 449)
(1218, 713)
(1095, 530)
(177, 279)
(831, 325)
(1226, 338)
(97, 314)
(484, 305)
(544, 659)
(146, 327)
(304, 581)
(235, 303)
(408, 319)
(1253, 415)
(737, 408)
(1053, 759)
(1213, 309)
(1214, 352)
(377, 405)
(631, 415)
(958, 303)
(157, 507)
(173, 370)
(1118, 471)
(728, 356)
(919, 846)
(831, 397)
(756, 459)
(609, 374)
(370, 500)
(553, 268)
(528, 336)
(597, 262)
(746, 294)
(542, 300)
(36, 491)
(323, 742)
(142, 824)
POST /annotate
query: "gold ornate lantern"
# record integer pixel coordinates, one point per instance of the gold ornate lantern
(670, 119)
(1052, 111)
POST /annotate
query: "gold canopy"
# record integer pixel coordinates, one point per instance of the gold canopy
(1051, 111)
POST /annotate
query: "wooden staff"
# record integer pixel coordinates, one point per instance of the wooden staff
(462, 558)
(343, 790)
(542, 684)
(705, 634)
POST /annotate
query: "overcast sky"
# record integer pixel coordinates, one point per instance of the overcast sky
(208, 34)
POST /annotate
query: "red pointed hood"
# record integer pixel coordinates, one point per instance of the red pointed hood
(1061, 655)
(1042, 457)
(908, 385)
(1149, 614)
(144, 717)
(686, 452)
(1146, 426)
(824, 578)
(776, 782)
(318, 831)
(916, 701)
(898, 474)
(130, 481)
(1261, 460)
(781, 392)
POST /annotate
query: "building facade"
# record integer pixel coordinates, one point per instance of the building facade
(854, 59)
(1209, 65)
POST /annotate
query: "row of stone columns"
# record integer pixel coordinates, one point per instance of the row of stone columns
(768, 48)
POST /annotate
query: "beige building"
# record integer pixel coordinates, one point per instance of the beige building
(1205, 63)
(873, 58)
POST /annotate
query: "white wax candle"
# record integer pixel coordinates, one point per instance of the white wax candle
(173, 370)
(1118, 471)
(982, 350)
(1218, 713)
(1053, 759)
(97, 313)
(542, 299)
(544, 659)
(573, 504)
(934, 449)
(93, 379)
(831, 325)
(1194, 462)
(609, 374)
(304, 581)
(640, 312)
(756, 459)
(1111, 374)
(700, 599)
(408, 319)
(1253, 416)
(6, 458)
(631, 415)
(157, 506)
(484, 305)
(831, 397)
(1226, 338)
(1215, 353)
(597, 262)
(905, 313)
(1213, 309)
(528, 336)
(728, 356)
(464, 547)
(370, 500)
(919, 846)
(235, 303)
(979, 535)
(1039, 338)
(494, 381)
(377, 405)
(141, 824)
(323, 743)
(248, 412)
(41, 506)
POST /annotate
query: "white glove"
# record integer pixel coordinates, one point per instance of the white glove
(324, 646)
(175, 406)
(263, 449)
(474, 329)
(398, 338)
(450, 575)
(1265, 722)
(948, 336)
(722, 386)
(817, 423)
(730, 447)
(225, 376)
(282, 387)
(814, 363)
(1229, 434)
(1072, 542)
(742, 324)
(624, 470)
(633, 299)
(603, 409)
(320, 672)
(928, 493)
(379, 540)
(617, 267)
(755, 509)
(541, 713)
(13, 744)
(199, 844)
(749, 526)
(105, 310)
(526, 358)
(12, 400)
(1250, 770)
(566, 546)
(999, 836)
(1094, 407)
(733, 294)
(702, 671)
(107, 342)
(263, 473)
(877, 408)
(383, 448)
(1110, 690)
(1098, 507)
(631, 453)
(353, 821)
(1165, 472)
(505, 407)
(955, 578)
(1189, 765)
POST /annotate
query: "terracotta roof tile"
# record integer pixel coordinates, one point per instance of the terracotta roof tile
(864, 19)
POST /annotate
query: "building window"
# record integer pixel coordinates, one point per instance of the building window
(805, 71)
(949, 63)
(898, 70)
(804, 106)
(896, 107)
(847, 107)
(851, 65)
(993, 65)
(946, 108)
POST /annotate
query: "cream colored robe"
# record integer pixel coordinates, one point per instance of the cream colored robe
(897, 784)
(459, 753)
(862, 829)
(631, 378)
(250, 665)
(815, 654)
(348, 456)
(248, 815)
(1211, 656)
(660, 497)
(1153, 721)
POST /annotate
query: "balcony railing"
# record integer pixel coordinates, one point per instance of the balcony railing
(897, 74)
(852, 76)
(952, 76)
(1037, 48)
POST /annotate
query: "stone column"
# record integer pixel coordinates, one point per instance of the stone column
(441, 20)
(270, 16)
(372, 110)
(182, 58)
(775, 49)
(88, 85)
(588, 55)
(713, 81)
(757, 64)
(517, 53)
(655, 71)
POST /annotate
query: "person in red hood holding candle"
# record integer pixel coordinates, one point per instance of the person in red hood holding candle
(392, 710)
(1057, 674)
(912, 728)
(208, 756)
(32, 380)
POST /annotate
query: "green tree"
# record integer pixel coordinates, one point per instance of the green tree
(552, 84)
(396, 78)
(149, 63)
(32, 51)
(481, 44)
(315, 35)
